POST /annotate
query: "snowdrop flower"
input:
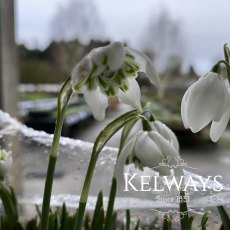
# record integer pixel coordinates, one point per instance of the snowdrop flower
(149, 149)
(5, 162)
(207, 100)
(111, 71)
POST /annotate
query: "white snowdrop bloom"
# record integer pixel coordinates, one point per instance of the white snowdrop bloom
(149, 149)
(207, 100)
(5, 162)
(111, 71)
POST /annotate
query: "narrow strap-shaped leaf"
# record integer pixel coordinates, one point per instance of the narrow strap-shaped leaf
(224, 217)
(69, 223)
(109, 213)
(9, 201)
(184, 218)
(98, 207)
(128, 219)
(137, 225)
(222, 227)
(152, 225)
(100, 220)
(125, 132)
(167, 224)
(87, 221)
(63, 217)
(191, 219)
(100, 142)
(105, 135)
(114, 220)
(204, 221)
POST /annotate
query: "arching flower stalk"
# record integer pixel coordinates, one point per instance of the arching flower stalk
(111, 71)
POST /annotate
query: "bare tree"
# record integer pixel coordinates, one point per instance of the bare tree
(79, 19)
(163, 42)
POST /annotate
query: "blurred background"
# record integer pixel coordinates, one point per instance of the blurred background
(41, 41)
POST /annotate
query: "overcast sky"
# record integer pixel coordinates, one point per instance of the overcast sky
(205, 23)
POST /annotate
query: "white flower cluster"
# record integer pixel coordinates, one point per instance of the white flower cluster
(111, 71)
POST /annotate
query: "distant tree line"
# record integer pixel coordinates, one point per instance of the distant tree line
(53, 64)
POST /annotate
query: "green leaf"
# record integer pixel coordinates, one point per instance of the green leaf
(100, 220)
(99, 206)
(10, 204)
(100, 142)
(137, 225)
(167, 224)
(87, 221)
(224, 217)
(191, 219)
(109, 213)
(125, 132)
(114, 220)
(112, 128)
(128, 219)
(184, 218)
(63, 216)
(204, 221)
(152, 225)
(226, 52)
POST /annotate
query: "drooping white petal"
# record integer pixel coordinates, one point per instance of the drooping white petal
(97, 102)
(167, 150)
(115, 53)
(217, 128)
(111, 56)
(146, 65)
(132, 96)
(119, 167)
(147, 151)
(184, 105)
(206, 101)
(166, 132)
(82, 69)
(164, 145)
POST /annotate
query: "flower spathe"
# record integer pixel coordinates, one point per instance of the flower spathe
(207, 100)
(149, 149)
(111, 71)
(5, 162)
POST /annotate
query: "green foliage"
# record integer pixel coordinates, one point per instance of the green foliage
(184, 217)
(224, 217)
(62, 219)
(204, 221)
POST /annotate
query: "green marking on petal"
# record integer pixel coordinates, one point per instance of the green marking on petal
(105, 60)
(102, 83)
(129, 55)
(90, 83)
(80, 83)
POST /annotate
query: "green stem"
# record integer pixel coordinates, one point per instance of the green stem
(85, 191)
(50, 173)
(47, 193)
(63, 99)
(215, 68)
